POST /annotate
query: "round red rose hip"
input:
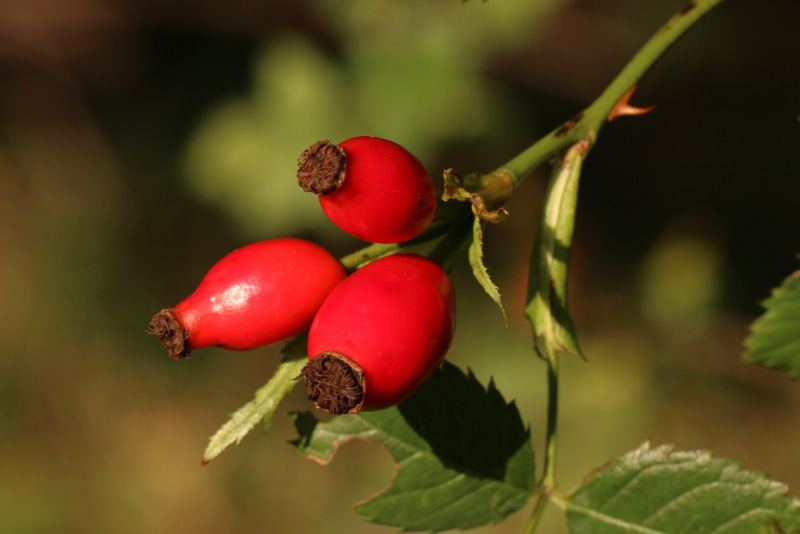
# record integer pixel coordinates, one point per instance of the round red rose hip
(371, 188)
(380, 335)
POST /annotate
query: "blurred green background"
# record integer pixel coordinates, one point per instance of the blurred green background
(141, 140)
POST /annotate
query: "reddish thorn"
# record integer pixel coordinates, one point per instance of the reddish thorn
(623, 107)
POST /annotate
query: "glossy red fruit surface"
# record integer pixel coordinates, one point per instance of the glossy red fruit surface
(257, 295)
(394, 319)
(381, 192)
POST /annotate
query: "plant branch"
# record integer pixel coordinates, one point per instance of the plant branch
(547, 301)
(371, 252)
(588, 123)
(547, 296)
(452, 216)
(547, 483)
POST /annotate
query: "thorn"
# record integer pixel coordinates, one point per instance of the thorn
(623, 107)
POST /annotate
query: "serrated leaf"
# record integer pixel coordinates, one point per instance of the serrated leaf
(661, 491)
(774, 339)
(479, 269)
(546, 307)
(463, 454)
(264, 404)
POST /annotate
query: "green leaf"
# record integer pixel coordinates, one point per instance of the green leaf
(264, 404)
(463, 454)
(547, 285)
(479, 269)
(774, 339)
(659, 490)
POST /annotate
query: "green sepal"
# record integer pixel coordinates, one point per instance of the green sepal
(546, 307)
(265, 403)
(479, 269)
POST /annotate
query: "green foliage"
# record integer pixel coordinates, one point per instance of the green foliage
(463, 455)
(264, 404)
(664, 491)
(774, 340)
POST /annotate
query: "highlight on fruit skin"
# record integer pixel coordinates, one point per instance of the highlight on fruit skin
(380, 335)
(371, 188)
(257, 295)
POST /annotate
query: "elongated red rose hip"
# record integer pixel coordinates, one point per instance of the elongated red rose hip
(371, 188)
(257, 295)
(380, 335)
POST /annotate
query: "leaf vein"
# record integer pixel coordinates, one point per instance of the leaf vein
(742, 517)
(610, 520)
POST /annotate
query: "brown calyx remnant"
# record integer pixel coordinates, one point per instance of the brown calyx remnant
(322, 168)
(335, 383)
(173, 336)
(486, 192)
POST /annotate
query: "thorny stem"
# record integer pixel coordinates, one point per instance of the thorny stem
(585, 126)
(588, 123)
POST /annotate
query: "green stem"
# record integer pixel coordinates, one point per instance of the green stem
(454, 245)
(546, 306)
(453, 215)
(370, 252)
(547, 302)
(588, 123)
(548, 481)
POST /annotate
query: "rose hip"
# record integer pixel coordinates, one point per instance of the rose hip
(380, 335)
(257, 295)
(371, 188)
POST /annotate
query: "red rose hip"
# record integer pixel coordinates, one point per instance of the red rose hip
(257, 295)
(380, 335)
(371, 188)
